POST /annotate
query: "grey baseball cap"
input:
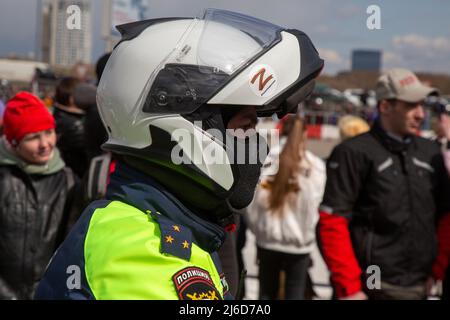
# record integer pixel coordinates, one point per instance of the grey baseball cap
(402, 84)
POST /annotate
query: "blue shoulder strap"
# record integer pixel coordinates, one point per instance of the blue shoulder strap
(176, 239)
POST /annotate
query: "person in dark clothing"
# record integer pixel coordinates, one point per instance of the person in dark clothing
(228, 257)
(35, 196)
(101, 64)
(94, 131)
(441, 268)
(70, 127)
(385, 191)
(241, 239)
(101, 163)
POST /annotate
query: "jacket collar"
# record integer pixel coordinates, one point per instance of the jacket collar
(392, 142)
(139, 190)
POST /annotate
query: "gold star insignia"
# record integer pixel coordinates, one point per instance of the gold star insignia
(169, 239)
(185, 244)
(176, 228)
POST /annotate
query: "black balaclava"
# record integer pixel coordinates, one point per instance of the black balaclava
(249, 171)
(247, 174)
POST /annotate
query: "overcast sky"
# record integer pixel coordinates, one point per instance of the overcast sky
(414, 34)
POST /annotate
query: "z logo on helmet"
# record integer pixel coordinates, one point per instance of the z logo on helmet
(263, 80)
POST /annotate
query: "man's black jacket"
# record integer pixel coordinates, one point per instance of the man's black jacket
(393, 192)
(71, 139)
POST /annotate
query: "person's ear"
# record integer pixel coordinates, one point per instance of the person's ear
(384, 107)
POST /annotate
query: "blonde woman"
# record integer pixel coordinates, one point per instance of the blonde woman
(350, 126)
(284, 212)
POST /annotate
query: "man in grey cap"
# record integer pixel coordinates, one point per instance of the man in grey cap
(400, 97)
(385, 190)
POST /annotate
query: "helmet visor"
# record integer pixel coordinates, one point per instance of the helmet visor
(210, 52)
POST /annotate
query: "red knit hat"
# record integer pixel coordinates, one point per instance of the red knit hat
(24, 114)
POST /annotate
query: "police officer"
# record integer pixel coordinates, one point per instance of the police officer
(171, 89)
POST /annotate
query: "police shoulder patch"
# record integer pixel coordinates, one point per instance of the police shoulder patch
(194, 283)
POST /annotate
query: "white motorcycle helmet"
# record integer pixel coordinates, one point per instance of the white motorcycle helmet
(172, 74)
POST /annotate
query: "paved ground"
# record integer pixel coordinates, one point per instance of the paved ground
(318, 272)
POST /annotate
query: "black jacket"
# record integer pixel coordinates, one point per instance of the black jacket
(71, 140)
(34, 218)
(392, 192)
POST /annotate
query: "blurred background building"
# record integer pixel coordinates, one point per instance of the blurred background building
(366, 60)
(58, 44)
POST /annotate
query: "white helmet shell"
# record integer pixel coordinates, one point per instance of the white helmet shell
(165, 69)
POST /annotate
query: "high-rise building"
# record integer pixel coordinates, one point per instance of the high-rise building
(61, 45)
(366, 60)
(45, 33)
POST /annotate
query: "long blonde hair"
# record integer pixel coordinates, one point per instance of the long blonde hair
(286, 179)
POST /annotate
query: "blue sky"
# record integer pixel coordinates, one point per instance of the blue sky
(415, 34)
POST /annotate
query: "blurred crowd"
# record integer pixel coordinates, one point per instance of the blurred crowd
(381, 198)
(51, 167)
